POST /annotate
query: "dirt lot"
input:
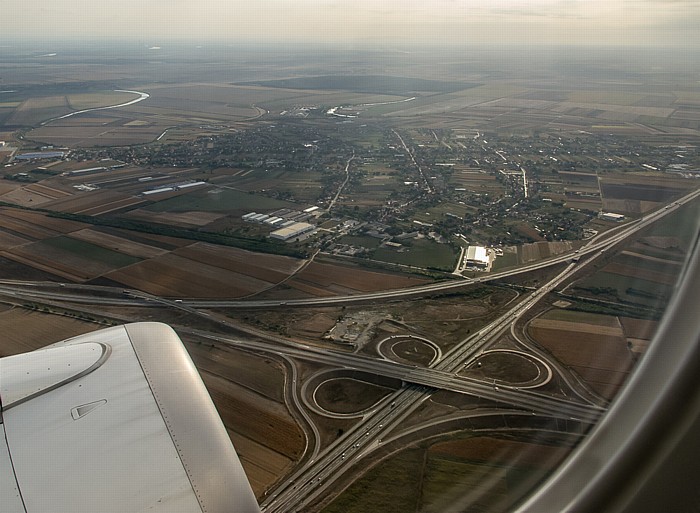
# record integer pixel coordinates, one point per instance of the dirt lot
(413, 351)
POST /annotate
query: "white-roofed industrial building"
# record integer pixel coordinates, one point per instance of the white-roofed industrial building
(609, 216)
(477, 256)
(292, 231)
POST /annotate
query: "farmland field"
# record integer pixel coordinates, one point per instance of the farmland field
(595, 347)
(408, 157)
(187, 219)
(94, 100)
(120, 244)
(360, 241)
(64, 256)
(628, 287)
(247, 392)
(219, 200)
(431, 479)
(640, 192)
(175, 276)
(90, 251)
(325, 279)
(26, 330)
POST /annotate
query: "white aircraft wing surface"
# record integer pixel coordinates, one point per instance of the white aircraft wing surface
(114, 421)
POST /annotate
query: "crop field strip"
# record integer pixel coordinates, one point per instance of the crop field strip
(65, 260)
(171, 275)
(121, 244)
(190, 219)
(79, 203)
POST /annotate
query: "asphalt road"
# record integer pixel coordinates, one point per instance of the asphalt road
(312, 478)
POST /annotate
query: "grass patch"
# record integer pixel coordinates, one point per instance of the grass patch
(359, 241)
(346, 395)
(504, 261)
(422, 253)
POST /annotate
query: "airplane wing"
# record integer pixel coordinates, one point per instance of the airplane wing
(114, 421)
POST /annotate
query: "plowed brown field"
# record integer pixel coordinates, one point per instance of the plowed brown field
(599, 354)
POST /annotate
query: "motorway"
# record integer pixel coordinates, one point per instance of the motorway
(324, 466)
(310, 481)
(599, 243)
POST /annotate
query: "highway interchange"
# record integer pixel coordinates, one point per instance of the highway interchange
(321, 466)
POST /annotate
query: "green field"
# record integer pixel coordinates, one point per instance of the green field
(359, 241)
(422, 253)
(574, 316)
(439, 211)
(634, 290)
(91, 251)
(505, 260)
(671, 267)
(683, 223)
(224, 200)
(392, 486)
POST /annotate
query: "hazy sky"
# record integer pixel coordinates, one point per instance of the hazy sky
(373, 21)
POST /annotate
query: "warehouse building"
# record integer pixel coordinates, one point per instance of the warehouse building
(609, 216)
(292, 231)
(477, 257)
